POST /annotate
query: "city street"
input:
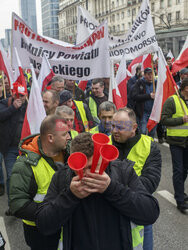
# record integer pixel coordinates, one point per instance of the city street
(170, 231)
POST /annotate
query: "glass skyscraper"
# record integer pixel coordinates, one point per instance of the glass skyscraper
(50, 10)
(28, 13)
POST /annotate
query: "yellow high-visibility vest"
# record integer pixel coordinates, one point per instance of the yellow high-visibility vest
(43, 173)
(181, 130)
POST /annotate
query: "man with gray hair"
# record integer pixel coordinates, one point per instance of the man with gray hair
(67, 114)
(57, 83)
(96, 98)
(106, 112)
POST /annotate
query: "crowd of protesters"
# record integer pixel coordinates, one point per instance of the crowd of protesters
(114, 210)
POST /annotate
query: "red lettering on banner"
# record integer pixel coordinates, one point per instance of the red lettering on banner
(16, 23)
(39, 38)
(21, 27)
(92, 39)
(27, 32)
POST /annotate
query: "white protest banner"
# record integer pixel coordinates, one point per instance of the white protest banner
(140, 39)
(86, 24)
(85, 61)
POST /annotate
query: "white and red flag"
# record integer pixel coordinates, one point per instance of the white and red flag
(165, 88)
(5, 65)
(119, 86)
(144, 61)
(82, 85)
(18, 73)
(170, 55)
(35, 112)
(46, 74)
(182, 60)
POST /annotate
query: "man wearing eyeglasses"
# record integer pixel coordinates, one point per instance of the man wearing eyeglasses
(140, 149)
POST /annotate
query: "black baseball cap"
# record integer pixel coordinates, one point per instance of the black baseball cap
(147, 70)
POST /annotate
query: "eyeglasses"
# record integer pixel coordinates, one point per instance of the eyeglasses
(122, 125)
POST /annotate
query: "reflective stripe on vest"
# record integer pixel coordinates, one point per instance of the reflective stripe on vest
(94, 130)
(74, 133)
(43, 173)
(137, 236)
(80, 107)
(181, 130)
(60, 245)
(93, 109)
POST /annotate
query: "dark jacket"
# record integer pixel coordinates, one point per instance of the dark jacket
(100, 221)
(169, 108)
(79, 94)
(23, 186)
(151, 172)
(11, 121)
(140, 96)
(98, 100)
(130, 84)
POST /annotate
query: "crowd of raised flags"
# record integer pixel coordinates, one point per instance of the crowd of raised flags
(118, 84)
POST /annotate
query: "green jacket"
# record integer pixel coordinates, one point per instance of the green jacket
(23, 186)
(169, 109)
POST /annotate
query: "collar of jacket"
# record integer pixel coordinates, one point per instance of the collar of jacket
(128, 144)
(31, 146)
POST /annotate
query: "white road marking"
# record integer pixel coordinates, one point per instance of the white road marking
(163, 144)
(4, 233)
(168, 196)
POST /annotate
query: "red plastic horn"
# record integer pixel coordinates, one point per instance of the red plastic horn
(108, 153)
(77, 162)
(99, 140)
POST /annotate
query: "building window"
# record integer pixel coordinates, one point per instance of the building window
(161, 18)
(177, 1)
(123, 27)
(177, 15)
(152, 6)
(129, 24)
(169, 17)
(113, 18)
(134, 11)
(169, 3)
(118, 28)
(153, 19)
(122, 15)
(117, 16)
(128, 12)
(162, 4)
(114, 28)
(117, 3)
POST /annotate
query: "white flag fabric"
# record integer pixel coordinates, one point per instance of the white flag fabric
(5, 65)
(140, 39)
(182, 60)
(35, 112)
(165, 88)
(46, 74)
(85, 61)
(170, 54)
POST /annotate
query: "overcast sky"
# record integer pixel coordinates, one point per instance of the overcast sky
(6, 9)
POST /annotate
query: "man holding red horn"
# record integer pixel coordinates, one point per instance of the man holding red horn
(98, 210)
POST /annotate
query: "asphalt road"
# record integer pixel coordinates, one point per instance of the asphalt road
(170, 230)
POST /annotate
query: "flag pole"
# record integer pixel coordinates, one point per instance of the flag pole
(4, 90)
(153, 79)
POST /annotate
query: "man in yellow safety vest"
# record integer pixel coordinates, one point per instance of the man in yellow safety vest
(31, 177)
(175, 117)
(142, 151)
